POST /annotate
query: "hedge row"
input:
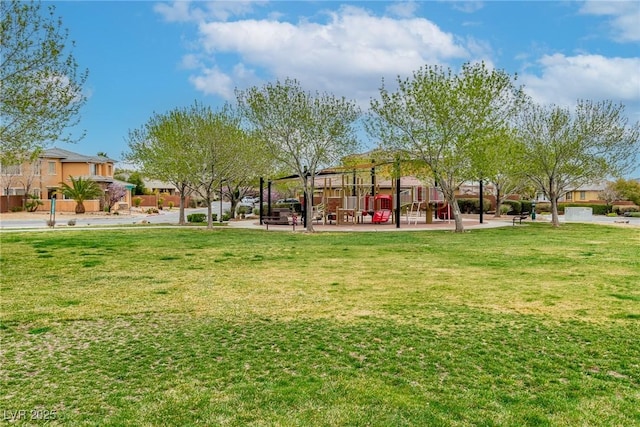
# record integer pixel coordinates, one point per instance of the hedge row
(472, 206)
(516, 207)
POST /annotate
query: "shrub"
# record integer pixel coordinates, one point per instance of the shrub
(33, 203)
(16, 209)
(197, 217)
(543, 207)
(620, 210)
(525, 206)
(504, 209)
(243, 210)
(634, 214)
(137, 201)
(472, 205)
(466, 205)
(226, 216)
(515, 205)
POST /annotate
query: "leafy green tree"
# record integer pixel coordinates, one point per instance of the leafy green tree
(497, 163)
(565, 149)
(216, 135)
(301, 131)
(81, 189)
(41, 91)
(444, 120)
(250, 162)
(136, 178)
(628, 189)
(163, 148)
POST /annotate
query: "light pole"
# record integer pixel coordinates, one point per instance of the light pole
(533, 209)
(481, 201)
(305, 199)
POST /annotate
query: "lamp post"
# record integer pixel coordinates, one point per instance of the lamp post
(533, 210)
(481, 201)
(305, 199)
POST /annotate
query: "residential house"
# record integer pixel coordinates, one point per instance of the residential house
(43, 176)
(157, 186)
(588, 193)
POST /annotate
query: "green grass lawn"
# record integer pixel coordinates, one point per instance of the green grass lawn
(514, 326)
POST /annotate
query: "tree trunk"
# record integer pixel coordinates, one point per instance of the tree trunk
(555, 220)
(210, 216)
(181, 215)
(308, 210)
(497, 213)
(450, 198)
(457, 216)
(80, 208)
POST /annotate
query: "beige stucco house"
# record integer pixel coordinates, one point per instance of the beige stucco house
(43, 176)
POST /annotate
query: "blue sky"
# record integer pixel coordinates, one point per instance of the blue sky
(145, 57)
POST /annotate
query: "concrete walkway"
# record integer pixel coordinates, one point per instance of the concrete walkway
(37, 221)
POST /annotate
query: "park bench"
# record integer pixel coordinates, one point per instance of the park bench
(280, 216)
(520, 217)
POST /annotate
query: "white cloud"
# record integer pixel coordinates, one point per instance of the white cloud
(187, 11)
(467, 6)
(178, 11)
(212, 81)
(625, 17)
(190, 62)
(403, 9)
(565, 79)
(352, 51)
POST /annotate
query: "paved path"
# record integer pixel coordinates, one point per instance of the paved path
(37, 221)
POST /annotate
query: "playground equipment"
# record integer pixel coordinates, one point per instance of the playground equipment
(443, 211)
(415, 211)
(352, 194)
(382, 208)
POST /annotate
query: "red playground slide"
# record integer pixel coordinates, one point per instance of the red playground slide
(381, 216)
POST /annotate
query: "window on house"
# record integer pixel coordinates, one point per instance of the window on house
(93, 169)
(583, 195)
(569, 196)
(52, 168)
(109, 170)
(36, 167)
(10, 170)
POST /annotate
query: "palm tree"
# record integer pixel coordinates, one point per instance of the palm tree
(81, 190)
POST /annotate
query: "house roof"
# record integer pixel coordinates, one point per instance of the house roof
(67, 156)
(156, 183)
(127, 185)
(592, 186)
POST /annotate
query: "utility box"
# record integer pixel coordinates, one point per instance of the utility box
(578, 214)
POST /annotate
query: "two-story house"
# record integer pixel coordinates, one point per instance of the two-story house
(43, 176)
